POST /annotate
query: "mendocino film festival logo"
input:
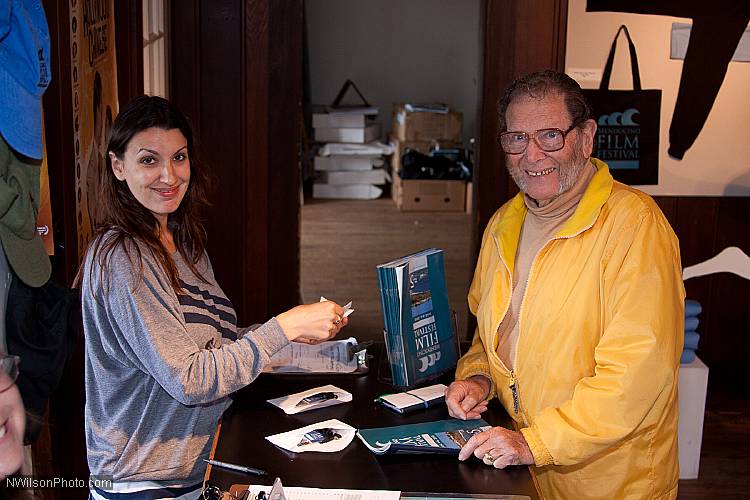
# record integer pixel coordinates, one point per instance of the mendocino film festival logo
(618, 138)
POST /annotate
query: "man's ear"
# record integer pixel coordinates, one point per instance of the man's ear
(118, 166)
(588, 132)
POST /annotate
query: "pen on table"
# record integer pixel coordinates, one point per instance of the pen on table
(236, 468)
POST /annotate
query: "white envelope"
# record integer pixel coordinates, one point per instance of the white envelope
(293, 440)
(294, 403)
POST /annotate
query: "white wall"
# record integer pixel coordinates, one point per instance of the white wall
(718, 163)
(397, 51)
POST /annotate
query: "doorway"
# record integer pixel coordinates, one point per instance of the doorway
(417, 52)
(236, 70)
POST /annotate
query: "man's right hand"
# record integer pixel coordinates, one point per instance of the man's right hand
(467, 399)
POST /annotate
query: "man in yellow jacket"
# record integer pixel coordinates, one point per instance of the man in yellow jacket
(579, 303)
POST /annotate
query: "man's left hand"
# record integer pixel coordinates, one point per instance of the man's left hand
(498, 447)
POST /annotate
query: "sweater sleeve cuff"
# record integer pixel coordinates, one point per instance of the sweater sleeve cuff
(269, 337)
(541, 454)
(486, 375)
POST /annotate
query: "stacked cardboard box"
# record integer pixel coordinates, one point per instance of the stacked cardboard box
(426, 126)
(425, 131)
(349, 166)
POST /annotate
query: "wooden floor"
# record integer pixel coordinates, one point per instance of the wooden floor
(343, 241)
(725, 452)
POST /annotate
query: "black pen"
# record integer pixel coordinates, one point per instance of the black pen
(237, 468)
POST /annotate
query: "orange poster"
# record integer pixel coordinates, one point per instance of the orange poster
(44, 217)
(94, 86)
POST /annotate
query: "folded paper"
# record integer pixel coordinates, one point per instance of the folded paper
(326, 357)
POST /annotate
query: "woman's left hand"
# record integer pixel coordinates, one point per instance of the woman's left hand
(498, 447)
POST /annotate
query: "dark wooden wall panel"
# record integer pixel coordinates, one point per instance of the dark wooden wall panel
(520, 36)
(184, 39)
(129, 47)
(256, 136)
(236, 72)
(220, 118)
(695, 223)
(273, 79)
(285, 102)
(727, 328)
(668, 206)
(705, 226)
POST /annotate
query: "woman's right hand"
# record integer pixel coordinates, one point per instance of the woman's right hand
(313, 323)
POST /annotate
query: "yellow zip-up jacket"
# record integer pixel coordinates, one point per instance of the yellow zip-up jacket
(594, 385)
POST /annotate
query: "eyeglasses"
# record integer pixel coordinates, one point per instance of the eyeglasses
(548, 139)
(9, 372)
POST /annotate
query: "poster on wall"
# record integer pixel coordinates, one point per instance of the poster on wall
(44, 217)
(704, 106)
(94, 87)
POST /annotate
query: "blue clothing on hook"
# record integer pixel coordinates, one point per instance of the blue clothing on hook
(24, 74)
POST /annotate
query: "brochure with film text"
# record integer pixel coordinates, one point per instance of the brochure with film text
(441, 436)
(419, 336)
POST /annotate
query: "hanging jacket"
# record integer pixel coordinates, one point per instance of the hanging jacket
(594, 385)
(42, 328)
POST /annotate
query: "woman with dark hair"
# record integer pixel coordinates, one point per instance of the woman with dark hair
(163, 351)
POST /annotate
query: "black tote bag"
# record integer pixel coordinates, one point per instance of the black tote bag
(627, 136)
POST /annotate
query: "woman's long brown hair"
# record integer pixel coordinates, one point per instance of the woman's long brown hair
(130, 225)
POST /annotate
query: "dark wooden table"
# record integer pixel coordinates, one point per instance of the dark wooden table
(243, 428)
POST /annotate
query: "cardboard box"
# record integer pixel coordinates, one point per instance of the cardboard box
(413, 195)
(424, 147)
(426, 126)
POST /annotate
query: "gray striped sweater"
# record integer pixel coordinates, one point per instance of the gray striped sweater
(159, 367)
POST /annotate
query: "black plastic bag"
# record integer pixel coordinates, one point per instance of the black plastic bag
(415, 165)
